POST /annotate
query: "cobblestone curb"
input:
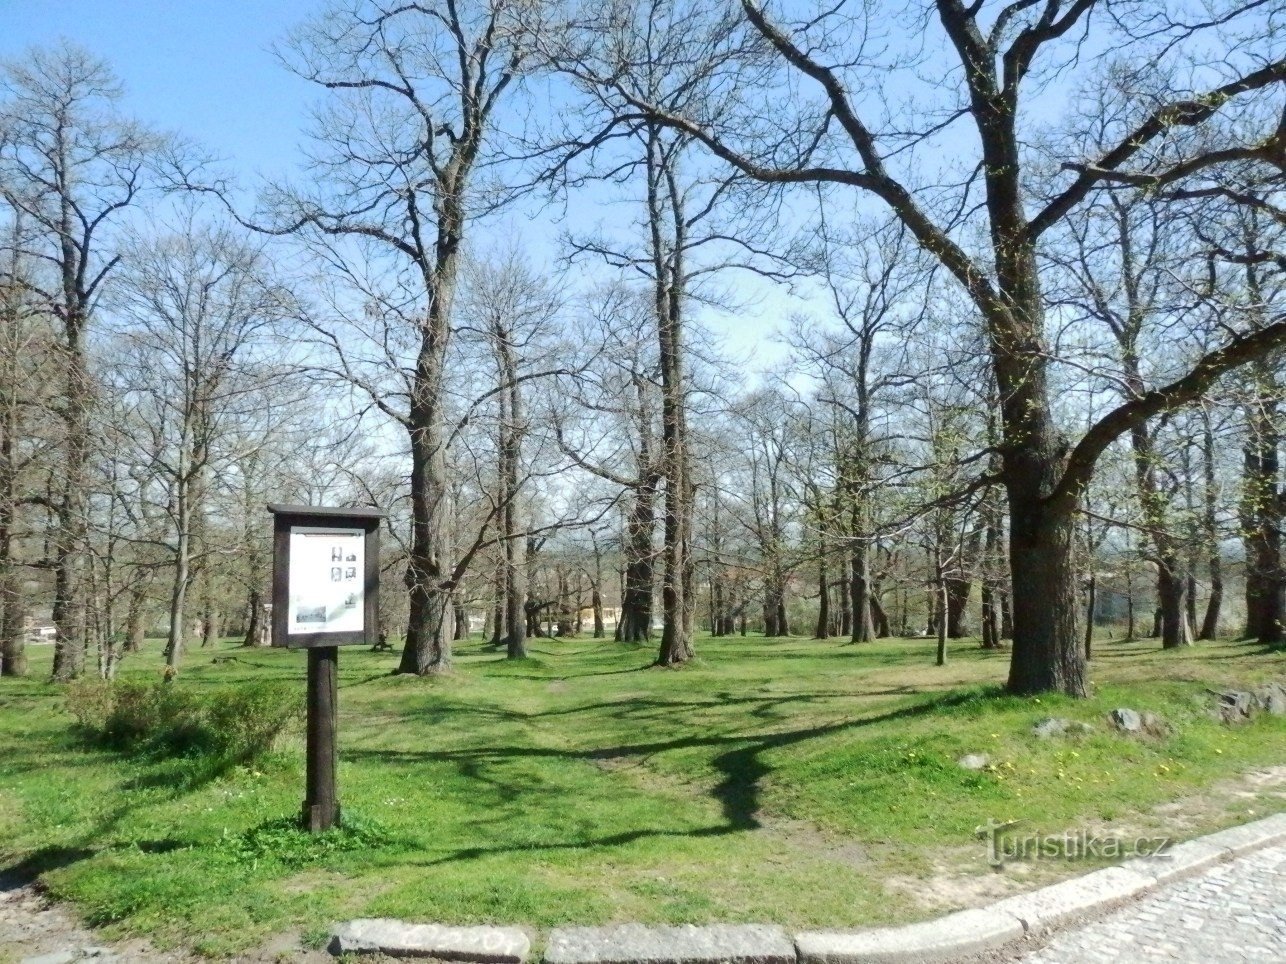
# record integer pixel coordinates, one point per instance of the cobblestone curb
(481, 945)
(945, 939)
(969, 932)
(965, 933)
(636, 944)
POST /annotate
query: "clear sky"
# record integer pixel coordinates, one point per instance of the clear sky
(205, 69)
(200, 67)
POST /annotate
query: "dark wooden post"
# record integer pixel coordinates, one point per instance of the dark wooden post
(321, 808)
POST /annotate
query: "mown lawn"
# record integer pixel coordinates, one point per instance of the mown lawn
(791, 781)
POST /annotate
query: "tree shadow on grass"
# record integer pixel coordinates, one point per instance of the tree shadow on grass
(36, 864)
(633, 709)
(742, 767)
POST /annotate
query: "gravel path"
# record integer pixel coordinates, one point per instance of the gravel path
(33, 931)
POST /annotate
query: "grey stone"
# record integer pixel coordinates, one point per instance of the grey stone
(1042, 909)
(1057, 726)
(945, 939)
(1235, 706)
(486, 945)
(57, 957)
(689, 944)
(1271, 698)
(1126, 720)
(974, 761)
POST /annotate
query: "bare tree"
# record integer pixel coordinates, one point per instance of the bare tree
(511, 311)
(398, 163)
(199, 306)
(71, 166)
(1000, 54)
(868, 285)
(26, 446)
(612, 433)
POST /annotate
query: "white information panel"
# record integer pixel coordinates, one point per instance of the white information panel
(327, 580)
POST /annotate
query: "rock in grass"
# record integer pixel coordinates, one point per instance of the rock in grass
(1057, 726)
(1235, 706)
(1126, 720)
(974, 761)
(1271, 698)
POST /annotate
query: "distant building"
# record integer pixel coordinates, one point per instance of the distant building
(38, 631)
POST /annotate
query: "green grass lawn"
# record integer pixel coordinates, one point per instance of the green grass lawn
(790, 781)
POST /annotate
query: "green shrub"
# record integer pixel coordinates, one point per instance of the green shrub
(236, 723)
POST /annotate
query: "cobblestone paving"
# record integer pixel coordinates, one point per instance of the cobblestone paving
(1233, 912)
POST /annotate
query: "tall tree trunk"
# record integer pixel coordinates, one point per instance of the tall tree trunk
(496, 622)
(427, 649)
(1090, 605)
(863, 630)
(1042, 537)
(70, 540)
(1214, 605)
(1171, 593)
(823, 630)
(845, 600)
(1262, 513)
(178, 604)
(636, 605)
(596, 600)
(13, 655)
(879, 617)
(670, 284)
(258, 630)
(992, 564)
(1210, 622)
(71, 534)
(958, 589)
(1190, 602)
(135, 614)
(944, 604)
(13, 652)
(990, 624)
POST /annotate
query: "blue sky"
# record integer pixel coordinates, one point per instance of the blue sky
(202, 68)
(205, 69)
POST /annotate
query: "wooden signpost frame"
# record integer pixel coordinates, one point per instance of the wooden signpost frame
(321, 809)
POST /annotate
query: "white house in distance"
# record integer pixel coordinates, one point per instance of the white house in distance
(38, 631)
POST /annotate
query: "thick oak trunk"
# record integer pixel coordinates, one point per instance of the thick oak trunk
(427, 649)
(859, 591)
(958, 590)
(1171, 596)
(1047, 653)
